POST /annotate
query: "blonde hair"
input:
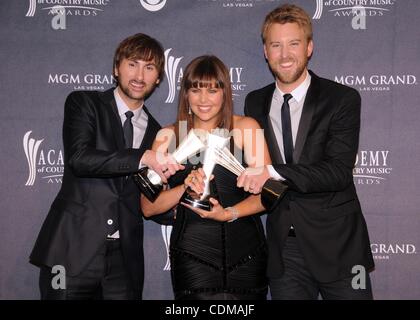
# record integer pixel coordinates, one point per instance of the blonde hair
(288, 13)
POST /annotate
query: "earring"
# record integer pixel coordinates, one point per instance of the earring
(189, 110)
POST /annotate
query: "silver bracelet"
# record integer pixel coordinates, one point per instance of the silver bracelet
(235, 213)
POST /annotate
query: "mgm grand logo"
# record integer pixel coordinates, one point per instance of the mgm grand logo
(88, 81)
(383, 251)
(377, 82)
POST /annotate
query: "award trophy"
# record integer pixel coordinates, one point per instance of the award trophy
(202, 201)
(272, 190)
(150, 182)
(166, 234)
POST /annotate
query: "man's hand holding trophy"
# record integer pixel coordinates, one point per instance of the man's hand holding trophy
(272, 191)
(150, 183)
(199, 196)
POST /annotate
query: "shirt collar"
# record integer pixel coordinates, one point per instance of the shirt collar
(123, 108)
(300, 92)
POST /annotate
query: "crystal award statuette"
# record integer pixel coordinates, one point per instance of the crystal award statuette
(272, 191)
(201, 201)
(150, 182)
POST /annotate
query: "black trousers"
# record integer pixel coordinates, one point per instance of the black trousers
(297, 282)
(104, 278)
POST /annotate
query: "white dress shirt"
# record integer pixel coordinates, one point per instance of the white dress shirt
(139, 121)
(296, 107)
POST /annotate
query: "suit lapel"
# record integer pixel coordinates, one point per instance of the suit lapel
(115, 126)
(309, 105)
(269, 134)
(149, 134)
(115, 120)
(272, 142)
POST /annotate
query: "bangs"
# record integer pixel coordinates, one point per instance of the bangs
(205, 75)
(145, 54)
(204, 83)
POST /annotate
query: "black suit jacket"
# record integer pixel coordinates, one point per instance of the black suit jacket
(95, 189)
(321, 203)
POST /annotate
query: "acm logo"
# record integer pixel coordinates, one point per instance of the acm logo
(342, 8)
(174, 73)
(171, 71)
(70, 7)
(47, 163)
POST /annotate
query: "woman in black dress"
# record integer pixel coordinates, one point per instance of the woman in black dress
(214, 259)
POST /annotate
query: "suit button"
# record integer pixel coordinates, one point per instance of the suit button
(110, 222)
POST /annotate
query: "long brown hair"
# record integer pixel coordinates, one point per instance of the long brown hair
(205, 72)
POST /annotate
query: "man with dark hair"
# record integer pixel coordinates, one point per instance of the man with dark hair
(317, 236)
(94, 230)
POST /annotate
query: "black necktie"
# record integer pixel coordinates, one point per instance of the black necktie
(287, 129)
(128, 130)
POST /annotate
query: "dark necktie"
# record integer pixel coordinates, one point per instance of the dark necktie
(128, 130)
(287, 129)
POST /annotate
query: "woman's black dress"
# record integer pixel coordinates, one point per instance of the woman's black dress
(215, 260)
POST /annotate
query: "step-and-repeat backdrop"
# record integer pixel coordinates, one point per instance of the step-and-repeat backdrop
(47, 52)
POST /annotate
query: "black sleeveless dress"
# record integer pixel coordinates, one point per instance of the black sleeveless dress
(217, 260)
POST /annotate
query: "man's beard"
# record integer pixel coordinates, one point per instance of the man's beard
(291, 78)
(139, 96)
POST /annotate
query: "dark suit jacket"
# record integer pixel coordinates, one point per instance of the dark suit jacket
(321, 203)
(95, 188)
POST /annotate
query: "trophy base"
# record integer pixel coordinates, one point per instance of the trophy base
(193, 200)
(150, 190)
(272, 192)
